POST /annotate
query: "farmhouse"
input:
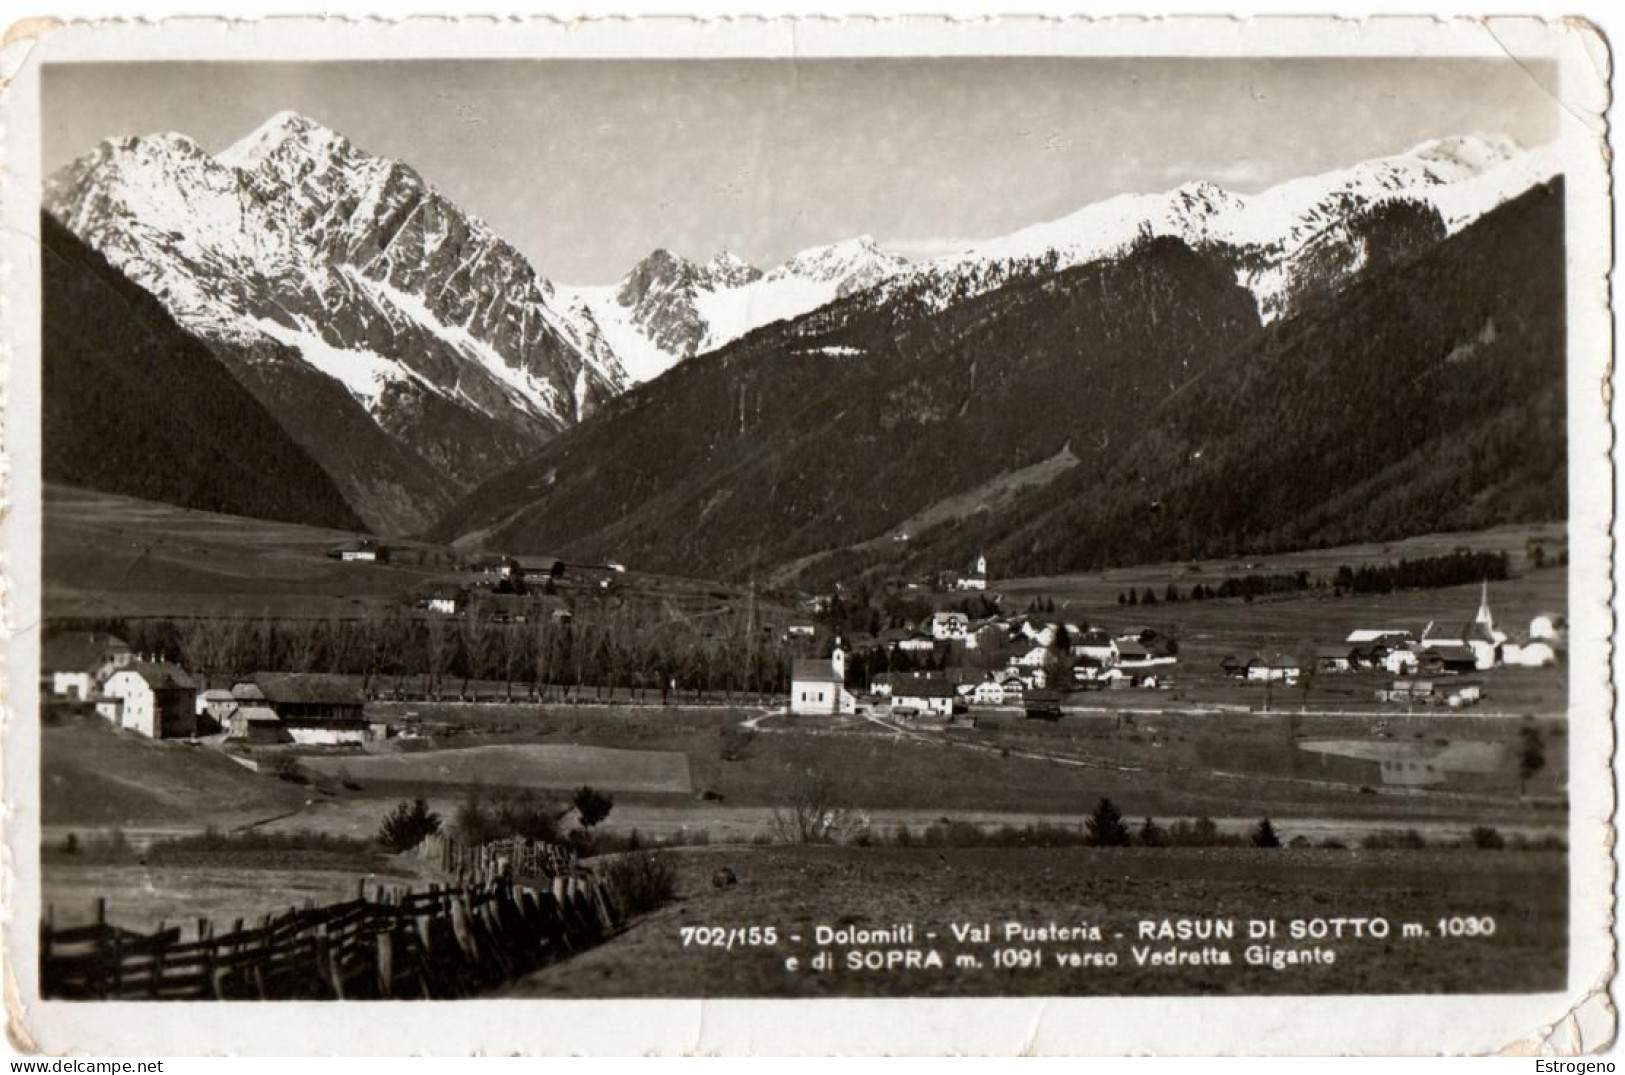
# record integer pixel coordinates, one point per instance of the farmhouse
(818, 686)
(1535, 653)
(443, 599)
(151, 698)
(366, 550)
(1402, 660)
(1274, 668)
(255, 724)
(73, 664)
(997, 688)
(917, 643)
(214, 708)
(949, 626)
(313, 709)
(1367, 635)
(925, 697)
(1334, 658)
(987, 635)
(1097, 646)
(1451, 657)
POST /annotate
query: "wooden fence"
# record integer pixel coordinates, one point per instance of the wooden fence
(514, 859)
(445, 942)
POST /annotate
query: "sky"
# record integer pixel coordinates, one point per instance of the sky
(588, 165)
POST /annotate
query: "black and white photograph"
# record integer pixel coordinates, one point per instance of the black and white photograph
(693, 522)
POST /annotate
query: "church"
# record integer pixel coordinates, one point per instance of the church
(818, 686)
(977, 578)
(1479, 637)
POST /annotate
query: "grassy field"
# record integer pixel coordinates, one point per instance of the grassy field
(141, 897)
(93, 776)
(115, 556)
(543, 767)
(107, 555)
(797, 889)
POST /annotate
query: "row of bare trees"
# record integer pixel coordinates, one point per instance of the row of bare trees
(608, 648)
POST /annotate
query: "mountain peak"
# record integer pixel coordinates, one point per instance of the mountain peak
(280, 130)
(1468, 152)
(728, 269)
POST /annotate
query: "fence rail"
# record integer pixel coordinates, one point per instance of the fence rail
(512, 859)
(453, 941)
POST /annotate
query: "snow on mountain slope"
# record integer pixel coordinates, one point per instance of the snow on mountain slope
(668, 308)
(1293, 240)
(1270, 234)
(294, 227)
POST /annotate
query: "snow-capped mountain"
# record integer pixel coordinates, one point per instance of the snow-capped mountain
(669, 308)
(369, 274)
(1285, 245)
(293, 251)
(1282, 241)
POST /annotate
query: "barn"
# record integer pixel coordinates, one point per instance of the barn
(313, 709)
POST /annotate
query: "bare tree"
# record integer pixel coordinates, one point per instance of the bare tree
(811, 811)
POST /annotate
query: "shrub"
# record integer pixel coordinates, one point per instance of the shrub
(1487, 838)
(1202, 832)
(1264, 835)
(736, 742)
(1408, 840)
(592, 806)
(287, 768)
(409, 824)
(482, 819)
(810, 812)
(642, 881)
(1106, 827)
(1151, 834)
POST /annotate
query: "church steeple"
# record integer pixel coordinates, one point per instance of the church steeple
(1484, 615)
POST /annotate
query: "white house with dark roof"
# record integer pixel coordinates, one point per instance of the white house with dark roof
(925, 696)
(151, 698)
(73, 664)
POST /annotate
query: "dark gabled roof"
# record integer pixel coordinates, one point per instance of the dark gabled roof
(161, 675)
(924, 688)
(301, 687)
(1451, 652)
(813, 670)
(1275, 660)
(79, 651)
(1338, 652)
(1132, 650)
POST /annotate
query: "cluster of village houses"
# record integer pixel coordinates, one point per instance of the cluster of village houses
(160, 700)
(1029, 657)
(1097, 657)
(1142, 657)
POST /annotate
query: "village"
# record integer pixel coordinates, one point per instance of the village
(944, 667)
(983, 716)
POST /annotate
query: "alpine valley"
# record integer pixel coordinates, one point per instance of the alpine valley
(1090, 390)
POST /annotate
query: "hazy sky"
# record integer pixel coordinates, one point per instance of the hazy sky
(588, 165)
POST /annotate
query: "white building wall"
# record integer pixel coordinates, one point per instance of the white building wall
(76, 685)
(327, 737)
